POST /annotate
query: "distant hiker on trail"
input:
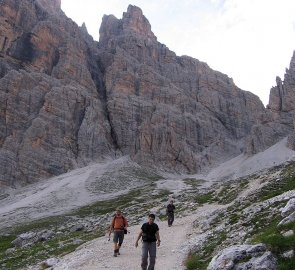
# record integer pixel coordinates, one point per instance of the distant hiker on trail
(170, 213)
(150, 240)
(119, 227)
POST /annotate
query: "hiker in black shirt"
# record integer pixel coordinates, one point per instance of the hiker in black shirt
(170, 213)
(150, 240)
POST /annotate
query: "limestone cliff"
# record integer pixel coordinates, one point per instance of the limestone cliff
(52, 116)
(279, 118)
(172, 111)
(67, 100)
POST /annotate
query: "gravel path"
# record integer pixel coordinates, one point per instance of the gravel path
(98, 253)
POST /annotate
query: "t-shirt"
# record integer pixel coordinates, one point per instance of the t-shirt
(170, 208)
(119, 223)
(149, 232)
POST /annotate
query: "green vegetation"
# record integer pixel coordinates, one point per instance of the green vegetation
(103, 207)
(277, 243)
(201, 259)
(261, 226)
(59, 245)
(227, 194)
(231, 191)
(205, 198)
(42, 224)
(285, 182)
(195, 262)
(134, 202)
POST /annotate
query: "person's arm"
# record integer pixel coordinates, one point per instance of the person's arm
(158, 238)
(111, 227)
(138, 237)
(110, 230)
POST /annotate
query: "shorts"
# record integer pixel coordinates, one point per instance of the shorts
(118, 237)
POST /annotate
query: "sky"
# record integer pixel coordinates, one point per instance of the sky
(252, 41)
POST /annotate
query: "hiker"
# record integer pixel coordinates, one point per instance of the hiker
(170, 213)
(150, 240)
(119, 227)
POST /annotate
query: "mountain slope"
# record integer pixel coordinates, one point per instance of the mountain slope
(67, 101)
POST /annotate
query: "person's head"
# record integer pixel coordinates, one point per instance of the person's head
(151, 218)
(118, 212)
(171, 201)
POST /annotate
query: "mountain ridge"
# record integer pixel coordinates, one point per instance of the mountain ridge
(77, 101)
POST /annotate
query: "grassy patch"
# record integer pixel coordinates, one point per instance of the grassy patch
(200, 259)
(39, 251)
(41, 224)
(285, 182)
(5, 242)
(204, 198)
(103, 207)
(195, 262)
(278, 244)
(231, 191)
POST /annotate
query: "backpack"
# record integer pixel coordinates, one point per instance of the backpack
(124, 222)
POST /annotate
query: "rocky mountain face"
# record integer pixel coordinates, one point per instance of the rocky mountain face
(172, 111)
(279, 117)
(67, 100)
(52, 115)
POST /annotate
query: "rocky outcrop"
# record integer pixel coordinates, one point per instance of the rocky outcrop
(51, 107)
(278, 121)
(167, 110)
(244, 257)
(67, 100)
(288, 212)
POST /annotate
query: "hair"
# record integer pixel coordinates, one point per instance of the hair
(152, 216)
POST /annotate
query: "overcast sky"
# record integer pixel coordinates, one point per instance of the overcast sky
(251, 41)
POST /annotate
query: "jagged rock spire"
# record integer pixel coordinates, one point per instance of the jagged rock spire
(134, 20)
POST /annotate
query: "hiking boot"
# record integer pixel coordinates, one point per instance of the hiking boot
(118, 253)
(115, 254)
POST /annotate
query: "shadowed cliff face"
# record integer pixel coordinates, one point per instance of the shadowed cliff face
(67, 100)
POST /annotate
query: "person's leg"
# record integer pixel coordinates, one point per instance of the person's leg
(169, 219)
(172, 218)
(121, 238)
(115, 240)
(144, 255)
(152, 253)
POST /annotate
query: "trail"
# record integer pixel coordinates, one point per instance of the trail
(98, 253)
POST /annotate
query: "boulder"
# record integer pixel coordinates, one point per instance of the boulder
(244, 257)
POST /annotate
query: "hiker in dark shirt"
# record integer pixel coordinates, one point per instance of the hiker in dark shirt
(119, 227)
(150, 240)
(170, 213)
